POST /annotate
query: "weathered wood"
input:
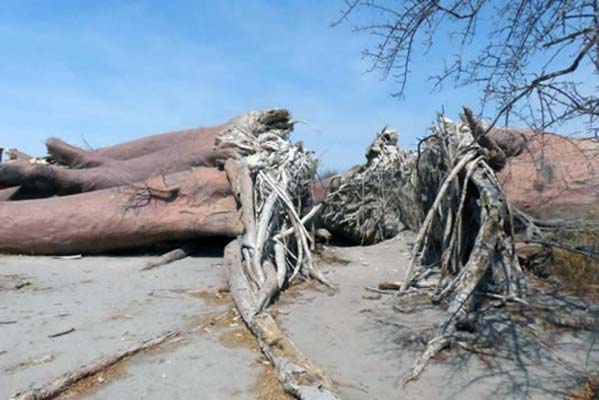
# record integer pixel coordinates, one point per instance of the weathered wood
(448, 192)
(53, 389)
(428, 220)
(298, 374)
(172, 256)
(271, 181)
(361, 206)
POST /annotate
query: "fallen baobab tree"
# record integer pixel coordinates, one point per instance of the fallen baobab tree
(163, 187)
(68, 169)
(180, 206)
(252, 184)
(447, 191)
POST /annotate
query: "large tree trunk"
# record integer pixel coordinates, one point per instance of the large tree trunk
(73, 156)
(165, 187)
(184, 205)
(80, 171)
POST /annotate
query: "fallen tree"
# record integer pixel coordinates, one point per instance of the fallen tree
(69, 170)
(446, 191)
(163, 187)
(252, 184)
(244, 179)
(271, 180)
(185, 205)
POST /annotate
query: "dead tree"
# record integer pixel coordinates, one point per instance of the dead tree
(184, 205)
(244, 179)
(164, 187)
(358, 206)
(71, 170)
(271, 178)
(448, 192)
(527, 65)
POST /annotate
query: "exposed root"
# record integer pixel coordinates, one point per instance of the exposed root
(433, 347)
(271, 180)
(171, 256)
(56, 387)
(447, 191)
(298, 375)
(362, 207)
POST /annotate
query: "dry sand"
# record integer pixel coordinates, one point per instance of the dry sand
(368, 346)
(358, 336)
(112, 305)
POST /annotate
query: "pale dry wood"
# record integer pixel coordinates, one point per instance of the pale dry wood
(298, 375)
(447, 192)
(171, 256)
(261, 261)
(426, 224)
(56, 387)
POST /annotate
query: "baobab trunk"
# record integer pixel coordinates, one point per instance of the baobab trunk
(78, 171)
(185, 205)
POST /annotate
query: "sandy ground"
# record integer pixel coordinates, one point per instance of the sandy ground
(366, 341)
(111, 305)
(368, 346)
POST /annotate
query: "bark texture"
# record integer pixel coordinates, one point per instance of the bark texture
(164, 187)
(73, 170)
(185, 205)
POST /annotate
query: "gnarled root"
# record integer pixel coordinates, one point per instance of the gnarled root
(448, 192)
(271, 182)
(298, 375)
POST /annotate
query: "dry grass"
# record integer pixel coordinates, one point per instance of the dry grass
(589, 390)
(578, 272)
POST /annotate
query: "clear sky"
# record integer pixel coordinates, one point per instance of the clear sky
(102, 72)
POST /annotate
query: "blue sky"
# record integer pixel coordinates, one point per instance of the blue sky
(110, 71)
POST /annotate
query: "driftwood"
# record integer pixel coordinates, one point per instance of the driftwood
(447, 191)
(58, 386)
(172, 256)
